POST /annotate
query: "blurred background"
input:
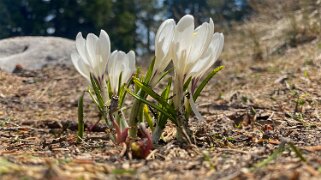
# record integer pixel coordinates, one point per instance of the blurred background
(132, 24)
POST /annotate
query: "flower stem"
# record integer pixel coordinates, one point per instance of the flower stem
(136, 115)
(183, 133)
(157, 134)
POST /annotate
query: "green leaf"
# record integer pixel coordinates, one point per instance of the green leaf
(110, 93)
(157, 107)
(148, 118)
(205, 81)
(187, 83)
(149, 73)
(81, 124)
(119, 84)
(97, 91)
(162, 119)
(164, 74)
(92, 96)
(154, 95)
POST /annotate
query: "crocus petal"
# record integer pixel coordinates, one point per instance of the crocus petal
(163, 40)
(112, 70)
(218, 43)
(123, 64)
(202, 37)
(183, 34)
(80, 66)
(182, 43)
(210, 56)
(81, 47)
(91, 46)
(132, 61)
(104, 50)
(93, 53)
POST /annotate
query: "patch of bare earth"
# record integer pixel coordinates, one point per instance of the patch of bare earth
(254, 111)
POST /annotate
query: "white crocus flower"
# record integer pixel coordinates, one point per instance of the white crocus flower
(194, 52)
(122, 64)
(93, 54)
(163, 41)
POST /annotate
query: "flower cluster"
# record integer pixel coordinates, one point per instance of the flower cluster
(92, 59)
(193, 51)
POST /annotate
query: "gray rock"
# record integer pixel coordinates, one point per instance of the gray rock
(33, 52)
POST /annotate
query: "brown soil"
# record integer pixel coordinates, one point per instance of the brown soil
(252, 110)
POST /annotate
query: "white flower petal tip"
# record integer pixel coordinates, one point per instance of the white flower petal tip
(93, 54)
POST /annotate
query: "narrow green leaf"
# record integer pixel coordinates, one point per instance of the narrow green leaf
(148, 118)
(81, 124)
(119, 83)
(205, 81)
(162, 119)
(96, 88)
(149, 73)
(297, 152)
(92, 96)
(164, 74)
(157, 107)
(154, 95)
(276, 153)
(187, 83)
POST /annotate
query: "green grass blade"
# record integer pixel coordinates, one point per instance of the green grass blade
(81, 124)
(297, 152)
(205, 81)
(276, 153)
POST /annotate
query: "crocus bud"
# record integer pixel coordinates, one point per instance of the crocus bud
(163, 42)
(93, 54)
(122, 64)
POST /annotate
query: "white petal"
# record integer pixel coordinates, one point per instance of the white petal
(132, 61)
(208, 59)
(182, 43)
(183, 33)
(201, 39)
(163, 41)
(112, 70)
(104, 50)
(80, 66)
(81, 47)
(164, 37)
(91, 46)
(218, 42)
